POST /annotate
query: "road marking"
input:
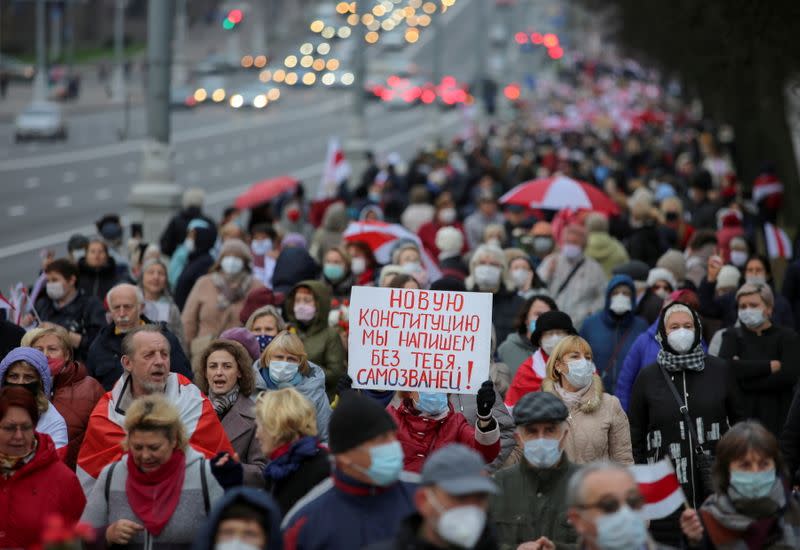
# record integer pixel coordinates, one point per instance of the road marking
(32, 182)
(64, 202)
(18, 210)
(100, 172)
(69, 177)
(103, 194)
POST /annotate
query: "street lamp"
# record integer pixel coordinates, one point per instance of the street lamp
(118, 90)
(40, 79)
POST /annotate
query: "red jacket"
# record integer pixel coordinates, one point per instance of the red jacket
(43, 487)
(420, 436)
(76, 393)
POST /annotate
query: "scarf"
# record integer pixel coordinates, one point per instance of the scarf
(153, 496)
(573, 399)
(694, 360)
(231, 289)
(10, 464)
(224, 401)
(287, 459)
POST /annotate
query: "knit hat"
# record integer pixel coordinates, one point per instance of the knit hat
(728, 277)
(34, 358)
(295, 240)
(552, 320)
(449, 240)
(245, 338)
(661, 274)
(238, 247)
(258, 298)
(355, 420)
(675, 262)
(635, 269)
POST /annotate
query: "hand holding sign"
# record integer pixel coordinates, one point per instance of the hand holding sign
(485, 399)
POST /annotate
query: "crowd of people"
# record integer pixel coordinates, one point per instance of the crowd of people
(193, 392)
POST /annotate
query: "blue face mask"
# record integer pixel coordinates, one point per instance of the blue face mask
(751, 485)
(263, 341)
(333, 272)
(532, 325)
(542, 453)
(386, 463)
(432, 404)
(621, 530)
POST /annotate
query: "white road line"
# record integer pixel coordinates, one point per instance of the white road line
(64, 202)
(100, 172)
(69, 177)
(103, 194)
(32, 182)
(18, 210)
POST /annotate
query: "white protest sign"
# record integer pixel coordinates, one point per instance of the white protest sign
(419, 340)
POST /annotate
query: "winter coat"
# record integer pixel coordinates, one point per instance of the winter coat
(766, 396)
(189, 517)
(10, 337)
(421, 436)
(427, 234)
(175, 232)
(97, 281)
(408, 538)
(611, 336)
(340, 290)
(643, 244)
(329, 234)
(311, 386)
(44, 486)
(253, 500)
(199, 263)
(704, 215)
(105, 355)
(84, 315)
(292, 266)
(531, 504)
(204, 319)
(476, 223)
(657, 427)
(505, 309)
(322, 342)
(239, 424)
(515, 350)
(344, 514)
(585, 292)
(598, 427)
(528, 378)
(607, 251)
(468, 406)
(454, 266)
(310, 472)
(726, 308)
(75, 394)
(649, 307)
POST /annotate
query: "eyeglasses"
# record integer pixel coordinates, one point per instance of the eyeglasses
(11, 429)
(609, 504)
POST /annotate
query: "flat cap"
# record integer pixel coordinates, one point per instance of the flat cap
(539, 406)
(457, 470)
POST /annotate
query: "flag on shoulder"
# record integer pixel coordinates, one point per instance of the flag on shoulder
(660, 488)
(778, 243)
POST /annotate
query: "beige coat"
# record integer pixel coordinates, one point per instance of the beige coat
(598, 427)
(202, 318)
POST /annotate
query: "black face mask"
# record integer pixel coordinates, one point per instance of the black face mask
(671, 216)
(33, 387)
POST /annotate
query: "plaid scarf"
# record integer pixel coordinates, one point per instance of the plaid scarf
(694, 360)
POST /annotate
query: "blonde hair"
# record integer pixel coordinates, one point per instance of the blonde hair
(153, 413)
(263, 311)
(567, 345)
(289, 343)
(246, 382)
(33, 336)
(285, 415)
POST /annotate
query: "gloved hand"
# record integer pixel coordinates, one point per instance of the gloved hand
(344, 384)
(227, 470)
(485, 399)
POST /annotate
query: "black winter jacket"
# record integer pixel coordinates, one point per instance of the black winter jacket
(97, 281)
(175, 232)
(84, 315)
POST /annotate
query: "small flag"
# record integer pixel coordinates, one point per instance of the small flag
(337, 170)
(778, 243)
(660, 488)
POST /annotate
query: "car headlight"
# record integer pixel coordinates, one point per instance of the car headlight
(236, 101)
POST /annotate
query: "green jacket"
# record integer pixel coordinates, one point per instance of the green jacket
(532, 504)
(606, 250)
(322, 342)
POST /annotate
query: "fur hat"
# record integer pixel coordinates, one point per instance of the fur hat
(661, 274)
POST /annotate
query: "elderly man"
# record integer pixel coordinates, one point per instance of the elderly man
(576, 282)
(531, 512)
(126, 303)
(146, 361)
(604, 500)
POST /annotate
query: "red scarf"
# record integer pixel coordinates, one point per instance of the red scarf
(153, 496)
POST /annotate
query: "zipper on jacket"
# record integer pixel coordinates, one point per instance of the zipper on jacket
(691, 443)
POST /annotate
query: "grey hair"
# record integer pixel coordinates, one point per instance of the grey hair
(574, 494)
(194, 196)
(263, 312)
(128, 349)
(136, 289)
(762, 290)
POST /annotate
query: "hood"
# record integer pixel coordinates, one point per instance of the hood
(600, 246)
(292, 265)
(322, 296)
(252, 498)
(313, 383)
(34, 358)
(205, 239)
(335, 218)
(611, 318)
(72, 373)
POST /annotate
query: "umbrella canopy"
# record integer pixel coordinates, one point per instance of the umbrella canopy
(265, 191)
(558, 193)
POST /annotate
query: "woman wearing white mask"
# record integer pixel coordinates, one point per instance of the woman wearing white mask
(217, 298)
(407, 255)
(285, 364)
(680, 406)
(158, 303)
(522, 273)
(446, 216)
(489, 273)
(598, 427)
(551, 328)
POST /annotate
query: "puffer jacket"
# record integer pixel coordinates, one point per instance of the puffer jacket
(598, 427)
(84, 315)
(42, 487)
(329, 234)
(420, 436)
(75, 395)
(322, 342)
(606, 250)
(515, 350)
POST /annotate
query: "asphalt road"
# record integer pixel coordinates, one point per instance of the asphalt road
(49, 191)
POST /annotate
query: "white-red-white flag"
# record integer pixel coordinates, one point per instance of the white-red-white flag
(337, 170)
(778, 243)
(660, 488)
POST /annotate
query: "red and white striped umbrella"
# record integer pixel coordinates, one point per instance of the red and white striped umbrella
(382, 238)
(558, 193)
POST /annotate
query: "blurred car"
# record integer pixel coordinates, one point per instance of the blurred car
(17, 69)
(210, 88)
(214, 64)
(182, 97)
(341, 78)
(41, 120)
(254, 96)
(450, 92)
(401, 92)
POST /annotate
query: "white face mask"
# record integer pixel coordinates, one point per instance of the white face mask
(580, 372)
(282, 371)
(487, 276)
(661, 293)
(571, 251)
(231, 265)
(235, 544)
(55, 290)
(261, 247)
(550, 342)
(620, 304)
(358, 265)
(738, 258)
(681, 340)
(461, 525)
(447, 215)
(412, 267)
(521, 277)
(756, 279)
(752, 317)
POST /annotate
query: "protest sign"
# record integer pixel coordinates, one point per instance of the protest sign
(419, 340)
